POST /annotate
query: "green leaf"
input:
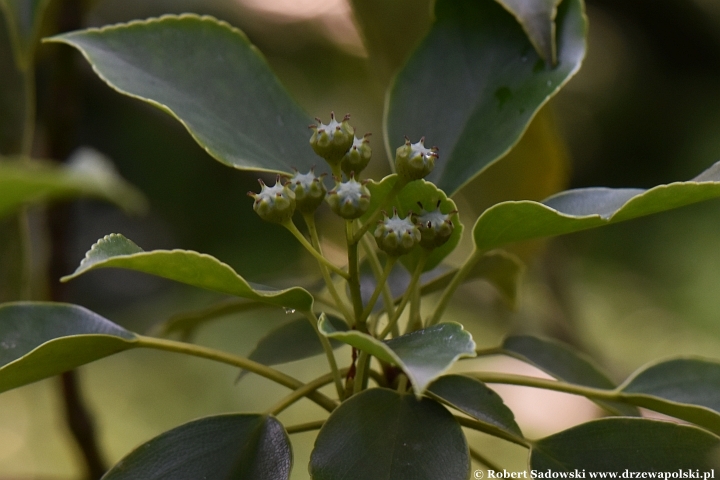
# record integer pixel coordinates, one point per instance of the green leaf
(474, 398)
(294, 340)
(24, 18)
(501, 269)
(236, 446)
(492, 84)
(686, 388)
(381, 434)
(187, 323)
(406, 201)
(423, 355)
(635, 444)
(564, 363)
(87, 174)
(585, 208)
(538, 20)
(39, 340)
(208, 76)
(187, 267)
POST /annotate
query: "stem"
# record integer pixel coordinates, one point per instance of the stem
(354, 277)
(339, 304)
(329, 354)
(402, 383)
(303, 241)
(377, 269)
(305, 427)
(236, 361)
(415, 321)
(399, 185)
(480, 458)
(406, 296)
(302, 392)
(360, 375)
(491, 430)
(525, 381)
(81, 425)
(382, 281)
(454, 284)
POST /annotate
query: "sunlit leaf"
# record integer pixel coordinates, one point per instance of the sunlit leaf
(474, 398)
(208, 76)
(585, 208)
(87, 174)
(564, 363)
(408, 201)
(381, 434)
(492, 83)
(237, 446)
(39, 340)
(686, 388)
(619, 444)
(423, 355)
(187, 267)
(538, 20)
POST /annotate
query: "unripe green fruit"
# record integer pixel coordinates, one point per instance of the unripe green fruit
(274, 204)
(358, 157)
(309, 191)
(414, 161)
(349, 199)
(396, 236)
(333, 140)
(435, 227)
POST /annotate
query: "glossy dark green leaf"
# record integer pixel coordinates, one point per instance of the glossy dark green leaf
(24, 18)
(406, 202)
(564, 363)
(188, 267)
(294, 340)
(474, 398)
(87, 174)
(619, 444)
(584, 208)
(380, 434)
(212, 79)
(502, 270)
(538, 20)
(39, 340)
(686, 388)
(228, 447)
(423, 355)
(475, 83)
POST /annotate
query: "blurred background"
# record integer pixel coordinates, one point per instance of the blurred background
(644, 110)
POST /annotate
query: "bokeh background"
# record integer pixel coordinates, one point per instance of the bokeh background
(644, 110)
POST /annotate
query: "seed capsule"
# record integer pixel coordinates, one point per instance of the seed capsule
(396, 236)
(358, 157)
(413, 161)
(349, 199)
(435, 227)
(309, 190)
(333, 140)
(274, 204)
